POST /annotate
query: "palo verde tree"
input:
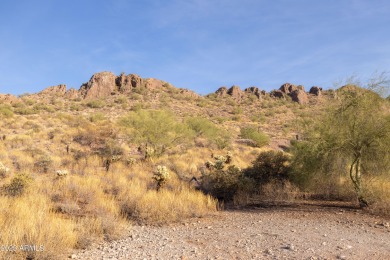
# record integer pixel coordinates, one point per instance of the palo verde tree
(155, 130)
(353, 135)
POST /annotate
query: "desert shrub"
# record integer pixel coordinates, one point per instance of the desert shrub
(121, 100)
(259, 138)
(6, 111)
(96, 103)
(237, 110)
(75, 107)
(97, 117)
(269, 166)
(222, 179)
(43, 164)
(222, 184)
(236, 118)
(18, 185)
(42, 107)
(24, 110)
(207, 129)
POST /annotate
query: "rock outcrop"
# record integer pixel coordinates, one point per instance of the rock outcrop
(72, 94)
(221, 92)
(255, 91)
(316, 91)
(235, 92)
(297, 93)
(126, 83)
(188, 93)
(152, 84)
(104, 84)
(58, 90)
(287, 88)
(277, 94)
(100, 85)
(299, 96)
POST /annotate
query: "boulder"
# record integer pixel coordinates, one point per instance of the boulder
(277, 94)
(316, 91)
(254, 91)
(299, 96)
(287, 88)
(100, 85)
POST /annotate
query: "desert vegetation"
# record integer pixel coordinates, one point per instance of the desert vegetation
(82, 170)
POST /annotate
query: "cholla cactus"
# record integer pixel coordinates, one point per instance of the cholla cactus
(219, 163)
(209, 165)
(149, 151)
(62, 173)
(161, 176)
(229, 157)
(116, 158)
(220, 158)
(130, 161)
(3, 170)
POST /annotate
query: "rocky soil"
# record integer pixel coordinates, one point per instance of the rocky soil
(282, 232)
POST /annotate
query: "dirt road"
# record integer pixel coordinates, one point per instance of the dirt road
(283, 232)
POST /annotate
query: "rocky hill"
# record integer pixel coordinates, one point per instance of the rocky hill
(106, 84)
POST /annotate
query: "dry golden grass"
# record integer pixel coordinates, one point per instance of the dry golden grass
(29, 220)
(378, 194)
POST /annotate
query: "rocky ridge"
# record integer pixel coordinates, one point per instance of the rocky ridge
(104, 84)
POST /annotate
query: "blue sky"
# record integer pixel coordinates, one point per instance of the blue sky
(195, 44)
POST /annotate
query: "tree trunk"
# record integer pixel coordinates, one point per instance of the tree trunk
(355, 175)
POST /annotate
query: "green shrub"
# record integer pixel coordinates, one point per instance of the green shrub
(96, 104)
(269, 166)
(222, 184)
(157, 130)
(24, 110)
(207, 129)
(237, 110)
(97, 117)
(222, 179)
(259, 138)
(6, 111)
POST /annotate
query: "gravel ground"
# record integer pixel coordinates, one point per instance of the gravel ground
(284, 232)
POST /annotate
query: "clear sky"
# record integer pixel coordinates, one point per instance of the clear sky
(195, 44)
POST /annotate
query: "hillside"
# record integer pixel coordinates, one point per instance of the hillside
(275, 112)
(122, 149)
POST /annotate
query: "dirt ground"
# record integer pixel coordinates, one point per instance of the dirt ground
(297, 231)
